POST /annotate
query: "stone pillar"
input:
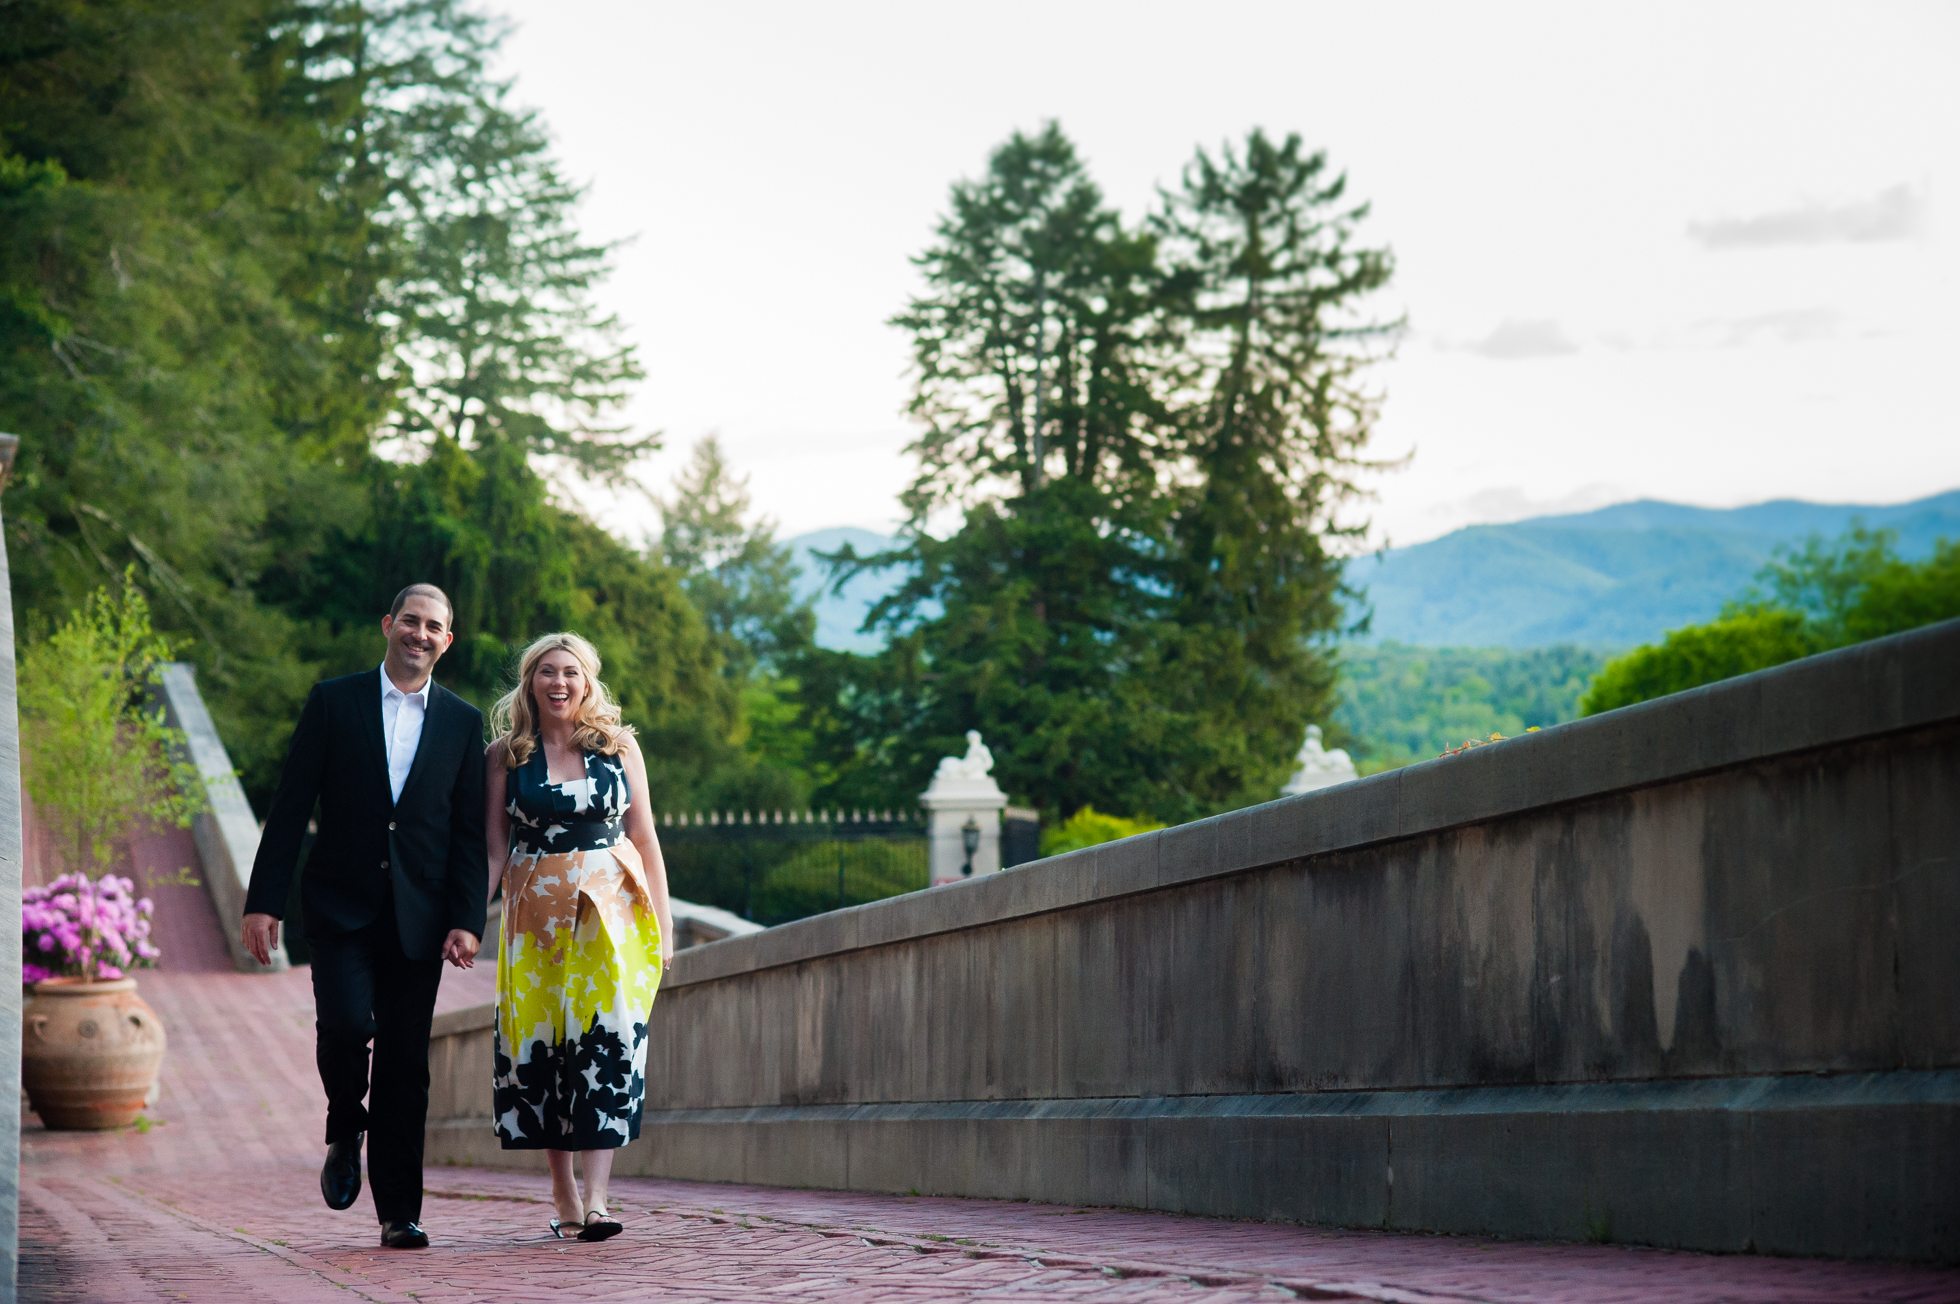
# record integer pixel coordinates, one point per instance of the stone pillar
(963, 791)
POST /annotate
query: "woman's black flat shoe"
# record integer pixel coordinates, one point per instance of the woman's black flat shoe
(605, 1228)
(558, 1228)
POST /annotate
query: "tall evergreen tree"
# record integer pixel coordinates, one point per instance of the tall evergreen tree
(1264, 295)
(1025, 347)
(1039, 424)
(248, 247)
(497, 335)
(737, 575)
(1147, 433)
(744, 584)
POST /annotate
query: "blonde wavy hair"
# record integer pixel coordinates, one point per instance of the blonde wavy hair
(515, 716)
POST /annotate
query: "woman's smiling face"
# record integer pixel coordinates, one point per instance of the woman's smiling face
(558, 686)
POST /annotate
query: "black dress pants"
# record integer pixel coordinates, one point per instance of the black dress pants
(366, 990)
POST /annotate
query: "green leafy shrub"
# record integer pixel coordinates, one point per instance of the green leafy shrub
(1813, 599)
(1701, 654)
(101, 764)
(1088, 827)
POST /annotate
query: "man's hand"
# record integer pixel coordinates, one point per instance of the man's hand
(261, 935)
(460, 948)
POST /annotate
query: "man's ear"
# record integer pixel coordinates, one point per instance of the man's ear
(387, 625)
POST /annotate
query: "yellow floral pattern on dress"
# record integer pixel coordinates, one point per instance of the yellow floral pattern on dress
(578, 963)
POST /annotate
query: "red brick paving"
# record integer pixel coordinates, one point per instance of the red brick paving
(220, 1201)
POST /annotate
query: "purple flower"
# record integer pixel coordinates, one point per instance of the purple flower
(77, 923)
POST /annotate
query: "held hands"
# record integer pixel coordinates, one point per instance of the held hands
(261, 935)
(460, 948)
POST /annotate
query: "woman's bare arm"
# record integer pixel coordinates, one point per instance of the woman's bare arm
(496, 819)
(639, 831)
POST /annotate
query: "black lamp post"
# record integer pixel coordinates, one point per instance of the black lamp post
(970, 836)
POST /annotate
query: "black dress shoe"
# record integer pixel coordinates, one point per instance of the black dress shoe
(340, 1176)
(403, 1235)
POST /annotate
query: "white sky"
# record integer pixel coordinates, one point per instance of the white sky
(1708, 253)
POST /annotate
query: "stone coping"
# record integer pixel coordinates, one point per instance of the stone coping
(1885, 686)
(455, 1023)
(226, 833)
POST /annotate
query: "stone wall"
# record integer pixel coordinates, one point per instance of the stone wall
(1682, 974)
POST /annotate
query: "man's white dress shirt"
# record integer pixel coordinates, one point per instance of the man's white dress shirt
(402, 715)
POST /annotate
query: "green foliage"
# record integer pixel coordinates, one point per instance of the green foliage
(1087, 828)
(1029, 345)
(1701, 654)
(1401, 704)
(1810, 599)
(292, 313)
(1264, 298)
(499, 340)
(1146, 432)
(743, 584)
(1899, 595)
(737, 575)
(100, 763)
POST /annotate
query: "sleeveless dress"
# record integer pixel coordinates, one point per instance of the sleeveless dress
(577, 963)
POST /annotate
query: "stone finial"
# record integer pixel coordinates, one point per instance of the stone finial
(971, 775)
(1318, 767)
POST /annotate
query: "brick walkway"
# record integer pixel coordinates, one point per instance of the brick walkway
(219, 1201)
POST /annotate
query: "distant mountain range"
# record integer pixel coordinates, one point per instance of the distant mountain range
(1611, 578)
(1606, 579)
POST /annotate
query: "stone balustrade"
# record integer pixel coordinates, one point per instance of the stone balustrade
(1681, 974)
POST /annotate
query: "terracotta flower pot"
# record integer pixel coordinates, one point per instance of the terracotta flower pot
(89, 1052)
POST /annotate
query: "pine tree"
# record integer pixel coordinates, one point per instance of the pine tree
(497, 337)
(1148, 433)
(741, 580)
(1264, 287)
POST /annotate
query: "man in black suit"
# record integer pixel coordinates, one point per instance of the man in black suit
(394, 885)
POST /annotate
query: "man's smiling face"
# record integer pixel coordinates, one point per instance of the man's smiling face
(417, 638)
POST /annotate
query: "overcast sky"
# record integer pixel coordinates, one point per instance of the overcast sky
(1699, 252)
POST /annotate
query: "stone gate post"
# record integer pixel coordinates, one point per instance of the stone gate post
(964, 797)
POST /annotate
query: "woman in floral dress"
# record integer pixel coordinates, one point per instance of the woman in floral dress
(585, 914)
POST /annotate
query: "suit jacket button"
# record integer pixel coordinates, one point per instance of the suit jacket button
(391, 826)
(384, 864)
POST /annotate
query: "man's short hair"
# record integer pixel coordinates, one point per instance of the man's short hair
(423, 591)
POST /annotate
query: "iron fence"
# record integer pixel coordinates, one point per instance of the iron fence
(773, 867)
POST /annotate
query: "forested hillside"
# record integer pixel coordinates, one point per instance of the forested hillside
(1401, 704)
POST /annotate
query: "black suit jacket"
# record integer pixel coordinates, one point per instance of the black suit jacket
(425, 851)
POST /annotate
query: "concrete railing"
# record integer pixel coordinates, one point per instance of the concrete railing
(1682, 974)
(227, 833)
